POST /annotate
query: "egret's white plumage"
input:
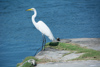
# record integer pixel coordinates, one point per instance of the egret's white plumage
(41, 26)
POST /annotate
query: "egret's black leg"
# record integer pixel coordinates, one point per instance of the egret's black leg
(44, 42)
(42, 45)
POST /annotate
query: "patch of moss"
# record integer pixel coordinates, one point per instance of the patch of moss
(27, 64)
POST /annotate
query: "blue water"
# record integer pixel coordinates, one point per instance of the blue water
(66, 19)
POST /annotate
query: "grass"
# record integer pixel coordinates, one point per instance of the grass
(89, 54)
(37, 61)
(27, 64)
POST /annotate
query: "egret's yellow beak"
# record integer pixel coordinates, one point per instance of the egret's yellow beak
(28, 9)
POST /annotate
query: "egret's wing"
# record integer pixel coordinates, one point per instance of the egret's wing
(44, 29)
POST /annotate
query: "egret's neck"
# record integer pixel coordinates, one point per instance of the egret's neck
(33, 17)
(35, 13)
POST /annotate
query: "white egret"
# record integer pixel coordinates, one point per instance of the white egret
(42, 27)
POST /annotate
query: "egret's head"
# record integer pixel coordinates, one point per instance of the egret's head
(31, 9)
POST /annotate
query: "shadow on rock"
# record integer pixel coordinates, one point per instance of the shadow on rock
(53, 44)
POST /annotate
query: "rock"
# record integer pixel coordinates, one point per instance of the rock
(56, 55)
(60, 57)
(83, 63)
(92, 43)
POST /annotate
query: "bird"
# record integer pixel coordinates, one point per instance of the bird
(42, 27)
(32, 61)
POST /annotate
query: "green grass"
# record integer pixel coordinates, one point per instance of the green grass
(30, 57)
(89, 54)
(37, 61)
(27, 64)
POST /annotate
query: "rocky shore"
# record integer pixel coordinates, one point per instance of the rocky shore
(58, 58)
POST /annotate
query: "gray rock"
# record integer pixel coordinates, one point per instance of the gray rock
(53, 54)
(92, 43)
(88, 63)
(57, 55)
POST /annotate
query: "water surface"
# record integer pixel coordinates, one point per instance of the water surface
(66, 19)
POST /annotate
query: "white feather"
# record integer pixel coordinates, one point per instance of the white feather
(44, 29)
(41, 26)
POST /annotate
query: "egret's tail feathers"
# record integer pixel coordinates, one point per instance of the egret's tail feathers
(52, 38)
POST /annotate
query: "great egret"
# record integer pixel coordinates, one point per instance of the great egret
(42, 27)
